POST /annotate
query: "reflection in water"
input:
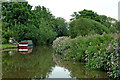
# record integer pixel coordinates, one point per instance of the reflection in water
(59, 72)
(77, 69)
(11, 53)
(41, 63)
(23, 50)
(35, 65)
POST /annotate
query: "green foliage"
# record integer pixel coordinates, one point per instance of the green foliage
(85, 14)
(21, 22)
(8, 45)
(79, 45)
(60, 27)
(106, 57)
(113, 29)
(44, 23)
(4, 40)
(46, 35)
(15, 12)
(61, 44)
(42, 35)
(98, 51)
(89, 14)
(39, 61)
(41, 15)
(118, 26)
(83, 26)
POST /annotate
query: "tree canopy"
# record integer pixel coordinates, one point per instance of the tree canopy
(110, 23)
(89, 14)
(39, 25)
(84, 26)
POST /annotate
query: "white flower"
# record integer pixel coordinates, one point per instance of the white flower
(112, 62)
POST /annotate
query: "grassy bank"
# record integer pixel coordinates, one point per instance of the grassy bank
(7, 45)
(97, 51)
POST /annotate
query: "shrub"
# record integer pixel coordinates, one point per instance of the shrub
(61, 44)
(83, 26)
(106, 58)
(98, 51)
(4, 40)
(40, 36)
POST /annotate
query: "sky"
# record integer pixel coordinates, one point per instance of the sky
(65, 8)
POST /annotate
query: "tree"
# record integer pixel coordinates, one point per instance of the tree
(15, 12)
(44, 23)
(60, 27)
(85, 14)
(84, 26)
(89, 14)
(21, 22)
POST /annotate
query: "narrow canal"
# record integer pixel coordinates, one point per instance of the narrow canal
(41, 63)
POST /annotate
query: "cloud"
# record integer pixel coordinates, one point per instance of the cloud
(65, 8)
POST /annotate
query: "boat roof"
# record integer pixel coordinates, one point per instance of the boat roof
(26, 40)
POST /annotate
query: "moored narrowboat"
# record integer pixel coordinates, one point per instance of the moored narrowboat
(25, 44)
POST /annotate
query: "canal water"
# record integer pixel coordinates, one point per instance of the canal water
(40, 62)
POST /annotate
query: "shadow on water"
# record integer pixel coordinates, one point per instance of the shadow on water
(40, 62)
(37, 64)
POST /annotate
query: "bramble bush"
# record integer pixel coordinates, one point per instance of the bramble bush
(97, 51)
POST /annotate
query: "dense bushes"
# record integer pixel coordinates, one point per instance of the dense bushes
(61, 44)
(105, 56)
(103, 19)
(23, 23)
(83, 26)
(39, 36)
(61, 27)
(98, 51)
(4, 40)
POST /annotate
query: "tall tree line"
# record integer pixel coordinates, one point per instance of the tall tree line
(39, 25)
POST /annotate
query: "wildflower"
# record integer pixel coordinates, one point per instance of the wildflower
(111, 59)
(90, 43)
(107, 63)
(99, 52)
(94, 53)
(101, 57)
(117, 54)
(109, 47)
(112, 62)
(116, 45)
(85, 59)
(111, 54)
(109, 69)
(108, 56)
(114, 48)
